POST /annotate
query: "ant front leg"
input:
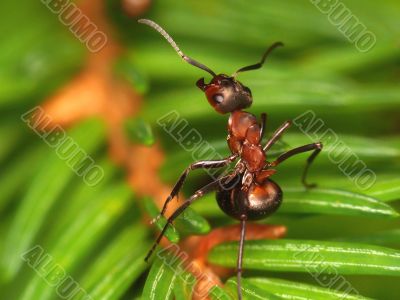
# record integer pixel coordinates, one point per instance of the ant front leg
(277, 134)
(317, 147)
(263, 121)
(206, 164)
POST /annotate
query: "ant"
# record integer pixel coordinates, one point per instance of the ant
(255, 195)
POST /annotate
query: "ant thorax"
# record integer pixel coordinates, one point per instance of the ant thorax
(244, 139)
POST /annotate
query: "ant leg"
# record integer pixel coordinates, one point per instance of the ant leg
(263, 121)
(206, 164)
(240, 255)
(198, 194)
(277, 134)
(317, 147)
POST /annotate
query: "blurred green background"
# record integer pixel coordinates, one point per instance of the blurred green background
(97, 234)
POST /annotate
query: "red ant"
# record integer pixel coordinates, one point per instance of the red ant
(254, 196)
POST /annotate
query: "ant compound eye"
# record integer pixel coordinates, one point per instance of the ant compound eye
(218, 98)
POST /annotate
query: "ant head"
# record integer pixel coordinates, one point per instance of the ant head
(225, 93)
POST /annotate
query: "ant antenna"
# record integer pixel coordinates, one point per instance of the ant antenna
(260, 64)
(175, 46)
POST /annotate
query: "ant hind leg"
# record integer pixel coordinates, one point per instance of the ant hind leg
(198, 194)
(240, 255)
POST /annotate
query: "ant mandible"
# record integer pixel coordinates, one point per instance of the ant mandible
(253, 196)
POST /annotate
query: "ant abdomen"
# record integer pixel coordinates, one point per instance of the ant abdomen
(258, 202)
